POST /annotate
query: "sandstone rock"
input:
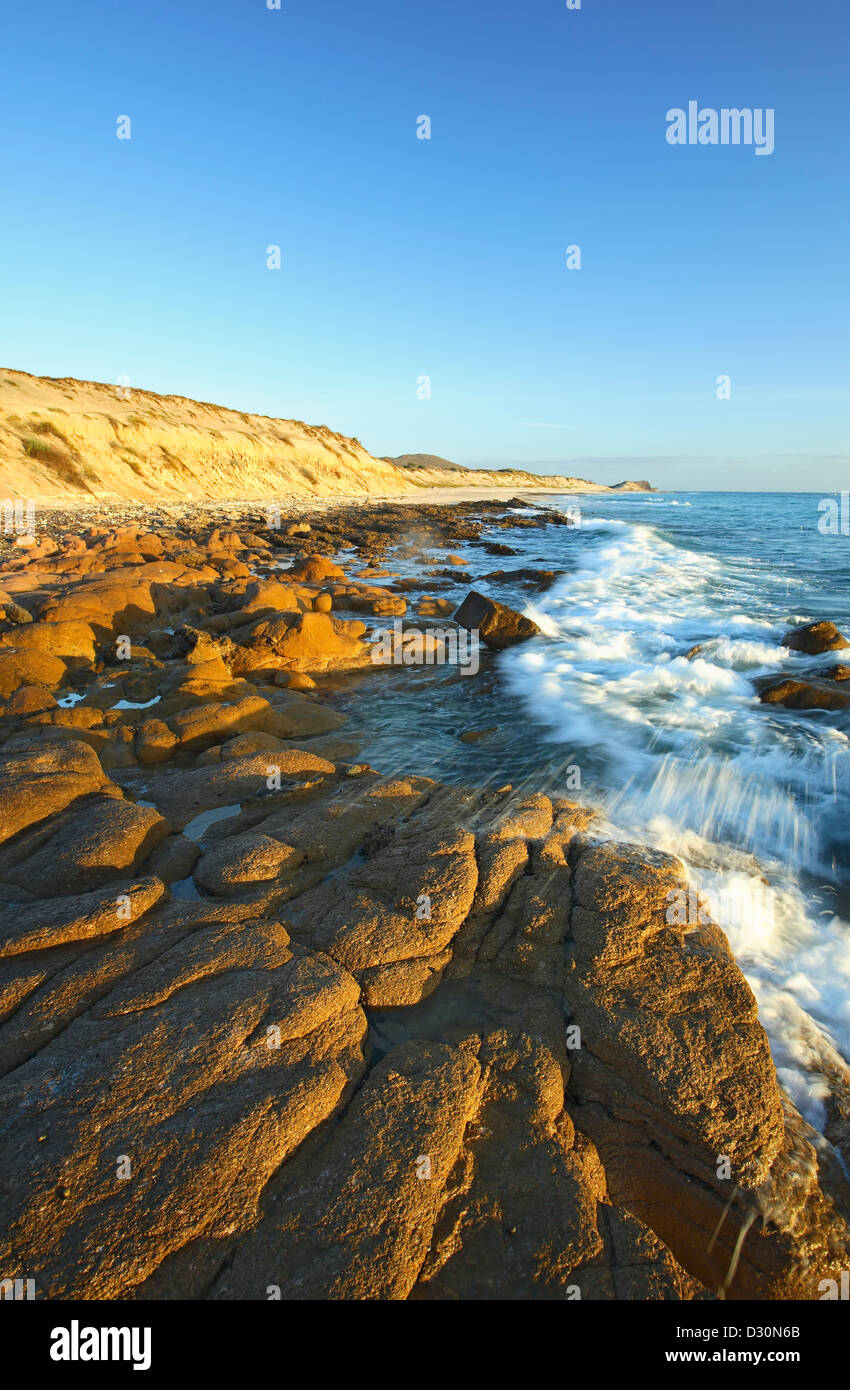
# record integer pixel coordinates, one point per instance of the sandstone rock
(315, 643)
(244, 859)
(406, 902)
(68, 640)
(315, 569)
(13, 613)
(40, 780)
(130, 600)
(202, 1110)
(181, 794)
(815, 638)
(86, 845)
(803, 694)
(174, 859)
(19, 666)
(29, 699)
(258, 595)
(383, 605)
(429, 607)
(200, 727)
(155, 742)
(76, 917)
(674, 1070)
(417, 1102)
(496, 624)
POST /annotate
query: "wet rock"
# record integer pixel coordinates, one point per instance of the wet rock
(803, 694)
(674, 1072)
(832, 673)
(815, 638)
(496, 624)
(539, 580)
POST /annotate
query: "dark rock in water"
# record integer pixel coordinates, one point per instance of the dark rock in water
(693, 651)
(803, 694)
(496, 624)
(496, 548)
(453, 576)
(815, 638)
(537, 579)
(832, 673)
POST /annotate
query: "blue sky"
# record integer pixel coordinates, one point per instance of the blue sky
(445, 258)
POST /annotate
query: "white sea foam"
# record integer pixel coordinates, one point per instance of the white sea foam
(678, 753)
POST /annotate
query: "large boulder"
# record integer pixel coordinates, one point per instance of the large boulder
(815, 638)
(315, 569)
(316, 642)
(496, 624)
(804, 694)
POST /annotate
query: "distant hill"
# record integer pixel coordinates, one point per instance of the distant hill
(61, 438)
(423, 465)
(426, 461)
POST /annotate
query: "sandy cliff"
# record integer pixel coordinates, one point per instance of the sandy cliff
(61, 438)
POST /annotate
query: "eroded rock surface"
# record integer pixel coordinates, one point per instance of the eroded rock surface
(274, 1024)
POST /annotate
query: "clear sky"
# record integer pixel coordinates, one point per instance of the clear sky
(445, 258)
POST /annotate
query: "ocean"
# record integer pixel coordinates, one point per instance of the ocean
(674, 752)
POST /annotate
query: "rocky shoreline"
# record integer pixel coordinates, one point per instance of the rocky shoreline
(274, 1023)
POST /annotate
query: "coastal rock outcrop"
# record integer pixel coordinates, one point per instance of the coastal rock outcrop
(275, 1024)
(815, 638)
(802, 694)
(496, 624)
